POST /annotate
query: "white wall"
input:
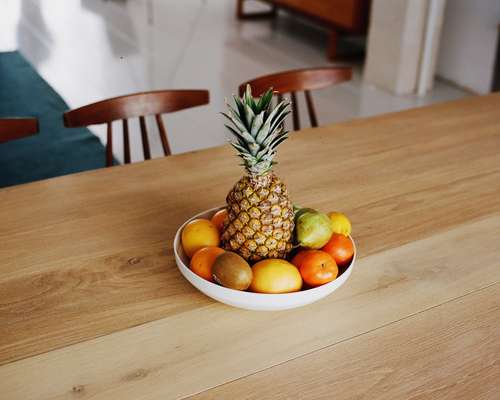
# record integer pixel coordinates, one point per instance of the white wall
(468, 43)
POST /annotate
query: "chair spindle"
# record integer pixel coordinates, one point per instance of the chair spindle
(126, 142)
(310, 109)
(163, 135)
(295, 112)
(109, 145)
(280, 99)
(145, 140)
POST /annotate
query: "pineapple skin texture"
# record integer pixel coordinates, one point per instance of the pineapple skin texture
(260, 218)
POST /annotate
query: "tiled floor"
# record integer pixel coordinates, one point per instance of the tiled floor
(93, 49)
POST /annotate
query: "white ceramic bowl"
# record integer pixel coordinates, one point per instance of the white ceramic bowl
(249, 300)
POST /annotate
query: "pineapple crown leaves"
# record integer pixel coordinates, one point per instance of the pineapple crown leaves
(257, 129)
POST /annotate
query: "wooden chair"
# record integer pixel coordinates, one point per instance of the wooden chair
(17, 128)
(132, 106)
(299, 80)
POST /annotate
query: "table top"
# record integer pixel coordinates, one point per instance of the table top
(93, 306)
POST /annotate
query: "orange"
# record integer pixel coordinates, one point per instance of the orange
(299, 257)
(197, 234)
(202, 261)
(318, 267)
(275, 276)
(219, 218)
(340, 247)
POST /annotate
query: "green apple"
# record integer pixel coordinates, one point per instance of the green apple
(313, 229)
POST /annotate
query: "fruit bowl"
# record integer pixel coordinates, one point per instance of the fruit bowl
(249, 300)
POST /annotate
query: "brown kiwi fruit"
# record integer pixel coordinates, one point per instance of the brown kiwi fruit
(232, 271)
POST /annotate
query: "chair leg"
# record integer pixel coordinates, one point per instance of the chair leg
(240, 12)
(332, 45)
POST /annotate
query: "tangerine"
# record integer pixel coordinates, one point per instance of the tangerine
(318, 267)
(203, 260)
(219, 218)
(340, 247)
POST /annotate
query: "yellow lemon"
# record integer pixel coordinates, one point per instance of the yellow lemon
(275, 276)
(197, 234)
(340, 223)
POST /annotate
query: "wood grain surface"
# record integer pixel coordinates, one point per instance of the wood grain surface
(398, 361)
(195, 350)
(92, 305)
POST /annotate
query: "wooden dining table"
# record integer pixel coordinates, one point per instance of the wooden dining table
(92, 305)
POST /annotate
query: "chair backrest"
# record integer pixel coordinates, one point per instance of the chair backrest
(296, 81)
(17, 128)
(133, 106)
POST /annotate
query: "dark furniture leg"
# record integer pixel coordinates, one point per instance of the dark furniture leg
(332, 45)
(240, 12)
(495, 84)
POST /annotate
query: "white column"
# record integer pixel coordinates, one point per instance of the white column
(430, 46)
(395, 41)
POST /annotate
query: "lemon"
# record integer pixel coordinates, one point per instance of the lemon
(275, 276)
(340, 223)
(197, 234)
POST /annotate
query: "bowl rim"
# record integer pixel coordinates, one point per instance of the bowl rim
(252, 295)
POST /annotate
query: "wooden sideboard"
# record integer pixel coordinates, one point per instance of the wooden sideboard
(346, 16)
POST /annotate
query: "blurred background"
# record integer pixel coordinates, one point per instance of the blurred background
(405, 53)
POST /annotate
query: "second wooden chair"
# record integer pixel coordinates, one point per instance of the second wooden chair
(299, 80)
(17, 128)
(132, 106)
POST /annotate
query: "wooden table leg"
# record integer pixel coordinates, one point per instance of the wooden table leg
(332, 45)
(240, 12)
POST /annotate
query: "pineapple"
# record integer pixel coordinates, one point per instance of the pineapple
(260, 214)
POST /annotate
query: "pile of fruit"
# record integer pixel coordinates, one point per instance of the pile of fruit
(321, 246)
(259, 241)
